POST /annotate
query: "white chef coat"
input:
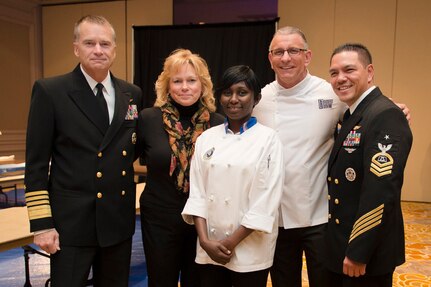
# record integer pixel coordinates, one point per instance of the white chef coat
(237, 180)
(305, 117)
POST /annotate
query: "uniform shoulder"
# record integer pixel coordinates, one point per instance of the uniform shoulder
(126, 86)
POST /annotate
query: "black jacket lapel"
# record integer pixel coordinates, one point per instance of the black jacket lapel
(84, 98)
(121, 106)
(351, 122)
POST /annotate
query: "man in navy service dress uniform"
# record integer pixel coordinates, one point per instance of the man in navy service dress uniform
(365, 235)
(80, 191)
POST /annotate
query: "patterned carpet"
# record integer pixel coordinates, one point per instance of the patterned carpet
(416, 271)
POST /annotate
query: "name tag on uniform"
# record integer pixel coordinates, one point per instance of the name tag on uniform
(325, 104)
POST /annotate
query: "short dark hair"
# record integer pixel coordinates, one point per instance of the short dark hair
(236, 74)
(363, 52)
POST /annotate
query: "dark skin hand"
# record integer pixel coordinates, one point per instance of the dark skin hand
(219, 251)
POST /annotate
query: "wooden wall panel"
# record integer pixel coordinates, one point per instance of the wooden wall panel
(20, 51)
(411, 85)
(143, 12)
(371, 23)
(58, 23)
(316, 20)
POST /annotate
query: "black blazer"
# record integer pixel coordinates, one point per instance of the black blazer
(86, 171)
(160, 192)
(365, 178)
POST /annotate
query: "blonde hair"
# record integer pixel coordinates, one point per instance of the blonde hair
(172, 63)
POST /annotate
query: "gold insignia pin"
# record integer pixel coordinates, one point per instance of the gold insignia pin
(382, 162)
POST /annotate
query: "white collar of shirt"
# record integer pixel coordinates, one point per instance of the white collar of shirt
(108, 91)
(353, 107)
(296, 89)
(107, 83)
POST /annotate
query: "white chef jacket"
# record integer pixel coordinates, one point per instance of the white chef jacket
(237, 180)
(305, 117)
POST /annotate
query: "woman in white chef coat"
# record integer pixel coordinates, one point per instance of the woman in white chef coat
(235, 189)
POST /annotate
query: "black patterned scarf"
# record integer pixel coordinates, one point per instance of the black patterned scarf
(182, 142)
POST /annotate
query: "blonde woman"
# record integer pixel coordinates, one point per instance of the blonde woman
(167, 133)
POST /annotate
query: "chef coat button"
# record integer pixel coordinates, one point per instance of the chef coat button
(227, 233)
(99, 195)
(123, 192)
(228, 165)
(99, 154)
(336, 181)
(123, 173)
(212, 230)
(337, 201)
(226, 200)
(329, 216)
(99, 174)
(211, 198)
(124, 153)
(337, 221)
(329, 178)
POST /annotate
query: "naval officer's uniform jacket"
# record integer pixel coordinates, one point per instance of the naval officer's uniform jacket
(365, 178)
(79, 171)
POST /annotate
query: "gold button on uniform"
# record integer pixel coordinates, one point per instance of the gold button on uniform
(329, 178)
(337, 221)
(336, 201)
(329, 197)
(336, 181)
(329, 216)
(123, 173)
(99, 154)
(99, 195)
(124, 153)
(123, 192)
(99, 174)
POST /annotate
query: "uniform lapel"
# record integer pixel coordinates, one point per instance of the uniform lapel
(82, 95)
(355, 118)
(121, 106)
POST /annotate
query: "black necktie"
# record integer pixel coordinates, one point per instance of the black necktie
(102, 102)
(346, 115)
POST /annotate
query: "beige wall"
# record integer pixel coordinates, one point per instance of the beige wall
(21, 65)
(396, 31)
(58, 31)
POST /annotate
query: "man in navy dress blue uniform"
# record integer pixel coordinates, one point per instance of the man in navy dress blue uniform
(365, 235)
(80, 191)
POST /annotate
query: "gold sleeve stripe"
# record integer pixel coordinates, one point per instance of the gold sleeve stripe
(36, 198)
(41, 211)
(367, 221)
(36, 193)
(364, 230)
(365, 224)
(38, 204)
(369, 214)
